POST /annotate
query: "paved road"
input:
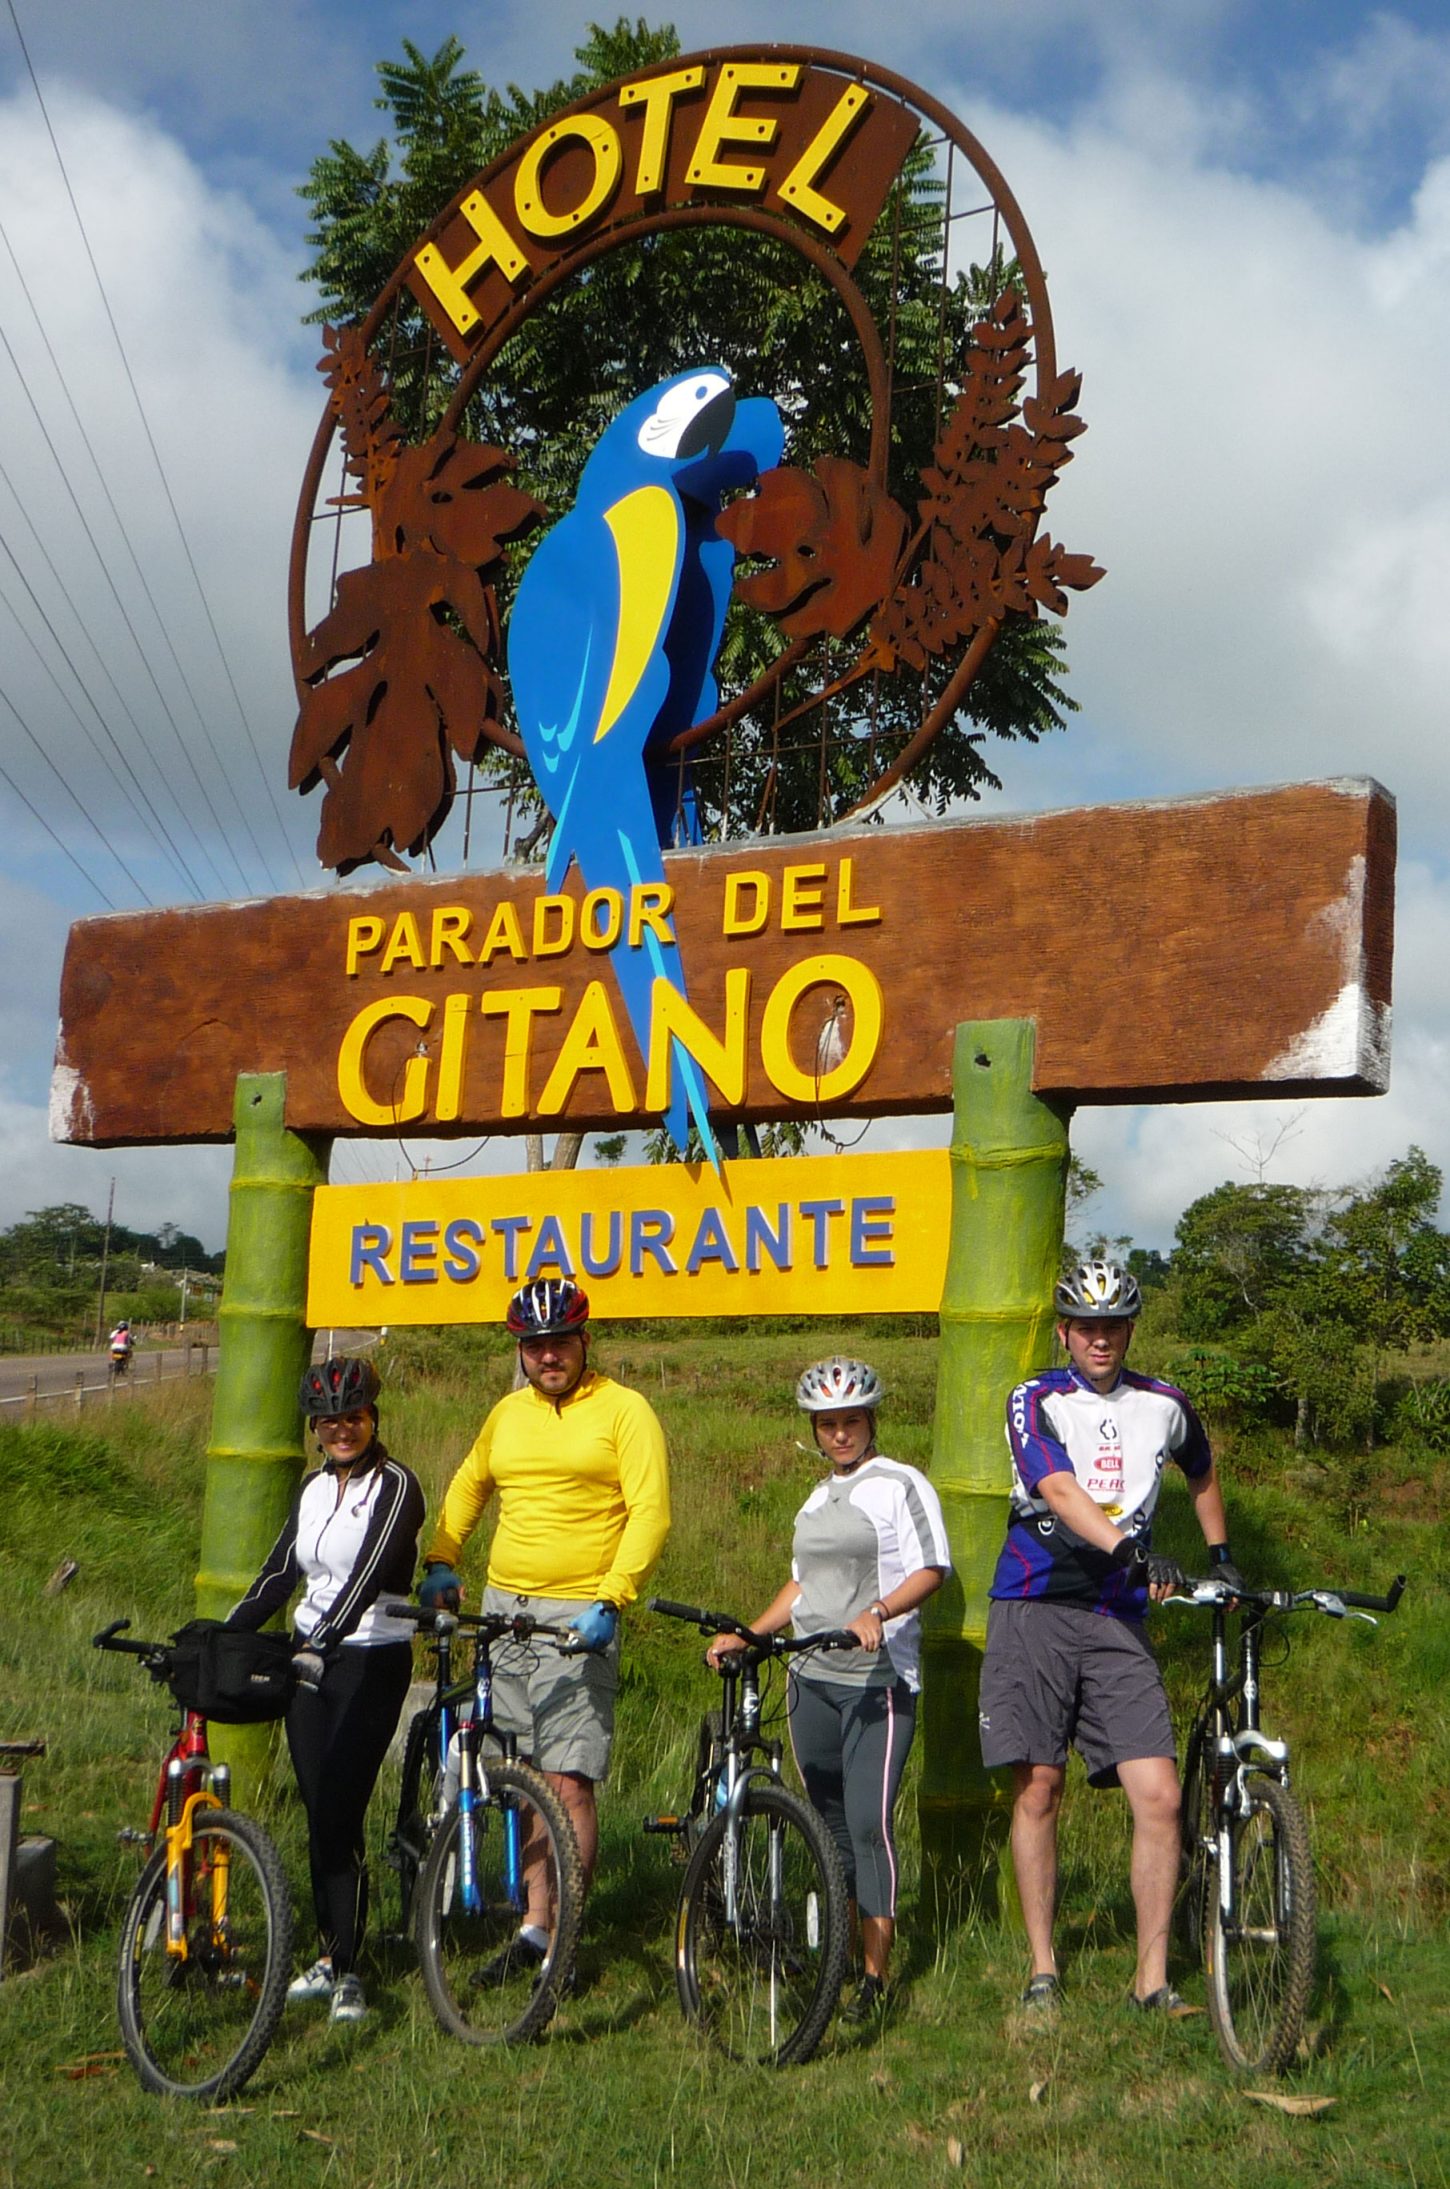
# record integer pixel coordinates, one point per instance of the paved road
(55, 1376)
(84, 1379)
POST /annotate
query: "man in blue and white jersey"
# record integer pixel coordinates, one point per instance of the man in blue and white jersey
(1067, 1661)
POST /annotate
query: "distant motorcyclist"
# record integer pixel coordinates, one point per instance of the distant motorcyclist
(121, 1348)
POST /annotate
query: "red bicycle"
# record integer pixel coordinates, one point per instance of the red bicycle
(206, 1943)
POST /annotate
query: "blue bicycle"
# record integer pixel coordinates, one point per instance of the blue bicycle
(483, 1844)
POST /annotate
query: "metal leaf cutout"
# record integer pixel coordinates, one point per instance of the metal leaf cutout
(834, 536)
(981, 498)
(418, 627)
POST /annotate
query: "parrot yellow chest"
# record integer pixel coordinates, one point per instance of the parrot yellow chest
(646, 529)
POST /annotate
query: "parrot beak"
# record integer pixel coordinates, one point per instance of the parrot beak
(707, 430)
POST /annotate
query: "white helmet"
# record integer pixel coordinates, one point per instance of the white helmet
(831, 1386)
(1097, 1292)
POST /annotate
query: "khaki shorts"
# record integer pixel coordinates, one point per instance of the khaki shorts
(1057, 1674)
(561, 1708)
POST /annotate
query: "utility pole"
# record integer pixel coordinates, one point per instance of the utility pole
(105, 1263)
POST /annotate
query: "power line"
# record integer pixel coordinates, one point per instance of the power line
(35, 602)
(151, 443)
(120, 782)
(103, 483)
(84, 873)
(87, 817)
(131, 632)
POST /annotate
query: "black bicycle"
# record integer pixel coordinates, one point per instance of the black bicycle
(761, 1930)
(1248, 1873)
(481, 1837)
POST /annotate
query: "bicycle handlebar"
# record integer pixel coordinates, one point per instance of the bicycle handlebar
(1375, 1603)
(108, 1639)
(709, 1622)
(1211, 1591)
(768, 1645)
(493, 1626)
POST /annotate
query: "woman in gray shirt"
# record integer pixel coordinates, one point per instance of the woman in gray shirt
(870, 1546)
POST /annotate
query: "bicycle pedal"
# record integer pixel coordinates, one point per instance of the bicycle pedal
(130, 1835)
(673, 1825)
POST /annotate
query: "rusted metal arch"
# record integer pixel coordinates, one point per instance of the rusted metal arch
(755, 219)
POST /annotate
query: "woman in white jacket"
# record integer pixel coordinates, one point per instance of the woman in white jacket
(351, 1544)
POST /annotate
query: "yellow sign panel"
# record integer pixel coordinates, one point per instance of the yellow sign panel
(824, 1235)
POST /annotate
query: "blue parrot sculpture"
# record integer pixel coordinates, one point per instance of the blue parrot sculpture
(611, 651)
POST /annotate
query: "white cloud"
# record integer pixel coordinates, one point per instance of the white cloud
(1266, 476)
(184, 1186)
(207, 304)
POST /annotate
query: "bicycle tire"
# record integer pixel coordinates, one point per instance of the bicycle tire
(199, 2027)
(479, 1992)
(1260, 1961)
(417, 1815)
(1196, 1830)
(764, 1986)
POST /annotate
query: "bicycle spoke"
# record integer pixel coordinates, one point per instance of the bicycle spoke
(761, 1936)
(1259, 1951)
(473, 1898)
(197, 2025)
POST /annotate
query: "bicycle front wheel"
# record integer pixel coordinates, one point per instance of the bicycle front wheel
(418, 1807)
(1258, 1952)
(197, 2025)
(760, 1940)
(473, 1897)
(1196, 1825)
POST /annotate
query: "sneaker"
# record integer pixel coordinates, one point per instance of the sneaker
(520, 1957)
(348, 2001)
(313, 1983)
(1165, 2000)
(868, 2002)
(1044, 1994)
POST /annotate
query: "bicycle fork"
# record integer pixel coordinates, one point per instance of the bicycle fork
(473, 1792)
(1236, 1755)
(181, 1811)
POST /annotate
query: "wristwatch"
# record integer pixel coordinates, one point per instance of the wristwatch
(880, 1610)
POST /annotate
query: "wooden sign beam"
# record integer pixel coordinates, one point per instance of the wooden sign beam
(1232, 945)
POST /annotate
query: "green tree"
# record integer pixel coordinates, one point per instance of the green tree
(1237, 1248)
(1317, 1285)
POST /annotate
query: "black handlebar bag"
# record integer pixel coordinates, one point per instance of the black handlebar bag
(232, 1676)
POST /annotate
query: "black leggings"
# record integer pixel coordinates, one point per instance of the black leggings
(338, 1734)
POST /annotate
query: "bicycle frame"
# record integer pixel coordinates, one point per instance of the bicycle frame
(1231, 1750)
(740, 1736)
(189, 1781)
(1227, 1732)
(467, 1734)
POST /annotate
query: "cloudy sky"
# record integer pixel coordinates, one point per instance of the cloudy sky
(1245, 217)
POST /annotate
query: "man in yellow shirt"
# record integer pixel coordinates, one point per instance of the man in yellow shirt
(582, 1476)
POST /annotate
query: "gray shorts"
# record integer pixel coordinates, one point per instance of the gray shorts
(1059, 1674)
(561, 1708)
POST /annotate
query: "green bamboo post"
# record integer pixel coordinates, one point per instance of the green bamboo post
(1009, 1157)
(255, 1455)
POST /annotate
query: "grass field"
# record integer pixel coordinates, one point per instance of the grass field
(958, 2086)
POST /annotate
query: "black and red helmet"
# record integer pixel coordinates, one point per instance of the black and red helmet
(548, 1308)
(340, 1386)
